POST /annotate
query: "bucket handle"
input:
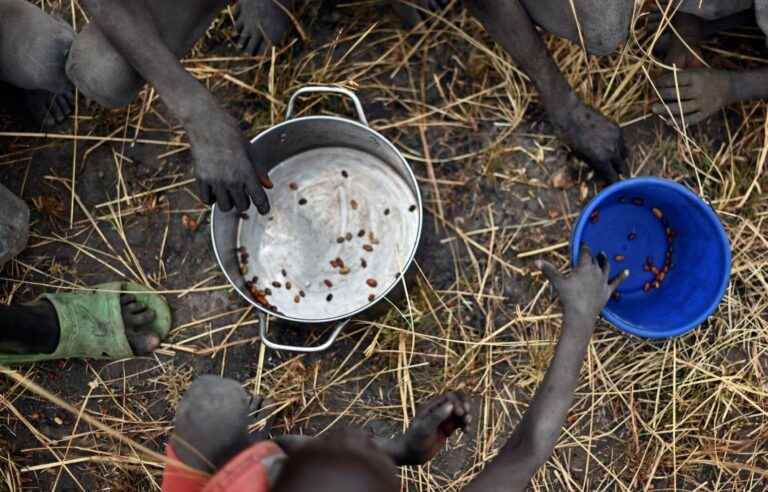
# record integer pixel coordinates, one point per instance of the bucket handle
(324, 89)
(293, 348)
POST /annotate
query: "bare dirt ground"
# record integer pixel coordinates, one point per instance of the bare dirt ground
(500, 189)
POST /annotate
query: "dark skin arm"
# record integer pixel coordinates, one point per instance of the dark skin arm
(583, 294)
(426, 436)
(593, 137)
(226, 173)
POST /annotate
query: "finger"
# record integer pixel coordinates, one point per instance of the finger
(458, 405)
(604, 263)
(616, 282)
(440, 414)
(694, 118)
(671, 94)
(669, 80)
(126, 299)
(205, 192)
(608, 172)
(624, 150)
(687, 107)
(245, 37)
(620, 166)
(242, 203)
(585, 255)
(253, 44)
(256, 404)
(222, 198)
(261, 170)
(259, 198)
(549, 271)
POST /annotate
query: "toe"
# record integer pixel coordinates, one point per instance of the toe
(127, 299)
(140, 320)
(253, 45)
(142, 343)
(245, 38)
(134, 308)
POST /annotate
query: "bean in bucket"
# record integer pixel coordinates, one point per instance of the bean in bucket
(675, 247)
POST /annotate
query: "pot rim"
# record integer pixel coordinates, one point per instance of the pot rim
(406, 265)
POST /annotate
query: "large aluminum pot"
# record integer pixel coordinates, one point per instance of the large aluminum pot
(344, 226)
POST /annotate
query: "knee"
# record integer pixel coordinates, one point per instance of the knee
(606, 32)
(100, 72)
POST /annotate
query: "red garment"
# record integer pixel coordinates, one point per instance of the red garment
(243, 473)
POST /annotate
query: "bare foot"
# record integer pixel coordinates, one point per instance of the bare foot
(137, 320)
(410, 15)
(103, 75)
(47, 109)
(695, 95)
(262, 24)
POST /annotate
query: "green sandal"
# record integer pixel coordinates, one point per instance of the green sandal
(91, 323)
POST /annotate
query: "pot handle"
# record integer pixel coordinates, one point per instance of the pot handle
(293, 348)
(323, 89)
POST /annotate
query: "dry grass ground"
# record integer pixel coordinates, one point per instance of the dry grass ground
(109, 191)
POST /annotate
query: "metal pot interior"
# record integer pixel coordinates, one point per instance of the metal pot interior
(342, 191)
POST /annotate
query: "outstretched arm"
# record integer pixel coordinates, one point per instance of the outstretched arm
(596, 139)
(225, 171)
(583, 294)
(435, 422)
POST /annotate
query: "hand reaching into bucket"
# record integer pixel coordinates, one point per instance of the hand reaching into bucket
(585, 292)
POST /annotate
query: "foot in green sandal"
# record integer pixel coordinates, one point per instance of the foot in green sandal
(113, 321)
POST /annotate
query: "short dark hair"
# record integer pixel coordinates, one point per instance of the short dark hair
(341, 462)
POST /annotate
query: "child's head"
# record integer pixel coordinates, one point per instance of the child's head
(341, 462)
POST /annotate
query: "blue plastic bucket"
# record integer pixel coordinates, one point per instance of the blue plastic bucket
(621, 221)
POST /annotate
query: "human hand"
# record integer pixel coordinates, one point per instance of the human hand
(225, 168)
(586, 290)
(435, 423)
(693, 95)
(594, 138)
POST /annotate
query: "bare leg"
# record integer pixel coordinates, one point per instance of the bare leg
(596, 139)
(603, 25)
(33, 50)
(226, 172)
(262, 23)
(104, 75)
(583, 294)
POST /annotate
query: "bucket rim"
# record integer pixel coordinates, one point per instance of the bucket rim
(702, 205)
